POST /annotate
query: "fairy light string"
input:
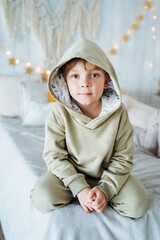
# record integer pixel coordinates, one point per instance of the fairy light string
(152, 9)
(29, 69)
(134, 27)
(44, 73)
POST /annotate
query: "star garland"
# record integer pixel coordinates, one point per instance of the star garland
(113, 51)
(133, 27)
(28, 70)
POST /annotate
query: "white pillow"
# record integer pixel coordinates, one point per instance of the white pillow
(9, 95)
(138, 112)
(34, 103)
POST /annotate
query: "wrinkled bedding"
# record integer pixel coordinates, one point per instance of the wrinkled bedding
(21, 164)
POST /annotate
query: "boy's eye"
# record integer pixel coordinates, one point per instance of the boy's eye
(75, 76)
(94, 75)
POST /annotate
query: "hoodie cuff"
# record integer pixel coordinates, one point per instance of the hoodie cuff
(77, 185)
(107, 190)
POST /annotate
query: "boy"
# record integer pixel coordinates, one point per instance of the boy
(88, 139)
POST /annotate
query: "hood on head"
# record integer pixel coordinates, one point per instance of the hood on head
(91, 52)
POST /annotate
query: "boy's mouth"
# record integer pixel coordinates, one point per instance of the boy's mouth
(85, 94)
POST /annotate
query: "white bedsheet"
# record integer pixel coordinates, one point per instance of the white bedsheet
(21, 164)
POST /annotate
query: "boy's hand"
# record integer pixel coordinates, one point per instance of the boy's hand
(83, 199)
(97, 200)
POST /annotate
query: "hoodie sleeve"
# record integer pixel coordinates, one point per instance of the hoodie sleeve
(56, 156)
(117, 172)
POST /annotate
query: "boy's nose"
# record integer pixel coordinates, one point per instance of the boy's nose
(85, 83)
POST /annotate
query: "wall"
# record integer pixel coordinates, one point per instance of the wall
(136, 76)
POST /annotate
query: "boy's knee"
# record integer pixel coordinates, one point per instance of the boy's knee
(139, 206)
(141, 200)
(42, 198)
(50, 193)
(133, 200)
(135, 208)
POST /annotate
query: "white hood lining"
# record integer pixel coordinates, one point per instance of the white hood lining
(110, 98)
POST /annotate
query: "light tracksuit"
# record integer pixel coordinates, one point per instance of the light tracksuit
(83, 152)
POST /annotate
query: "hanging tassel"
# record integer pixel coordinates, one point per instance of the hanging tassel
(52, 29)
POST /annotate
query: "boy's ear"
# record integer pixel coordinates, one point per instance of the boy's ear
(106, 81)
(106, 85)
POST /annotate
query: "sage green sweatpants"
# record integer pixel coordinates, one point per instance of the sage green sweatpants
(50, 193)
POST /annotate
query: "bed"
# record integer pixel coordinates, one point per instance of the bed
(21, 164)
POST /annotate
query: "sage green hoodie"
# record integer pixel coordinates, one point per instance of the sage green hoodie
(78, 147)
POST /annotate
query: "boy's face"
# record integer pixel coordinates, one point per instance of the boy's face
(86, 84)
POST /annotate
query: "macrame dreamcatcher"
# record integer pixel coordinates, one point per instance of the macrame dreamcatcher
(52, 29)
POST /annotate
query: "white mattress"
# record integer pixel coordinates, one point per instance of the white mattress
(21, 164)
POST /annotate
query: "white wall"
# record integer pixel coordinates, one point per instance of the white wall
(27, 48)
(132, 58)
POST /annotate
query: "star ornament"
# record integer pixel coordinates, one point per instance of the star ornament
(112, 51)
(125, 38)
(147, 5)
(50, 98)
(140, 17)
(12, 61)
(29, 70)
(135, 26)
(44, 76)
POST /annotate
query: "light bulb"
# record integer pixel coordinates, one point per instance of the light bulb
(150, 65)
(17, 61)
(116, 46)
(154, 17)
(8, 52)
(28, 64)
(38, 69)
(48, 72)
(129, 31)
